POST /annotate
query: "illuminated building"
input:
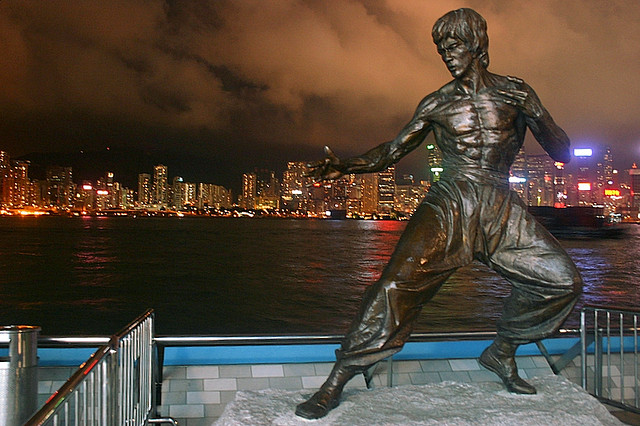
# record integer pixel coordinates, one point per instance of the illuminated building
(386, 190)
(5, 171)
(409, 195)
(86, 196)
(60, 187)
(559, 184)
(160, 192)
(354, 194)
(434, 162)
(369, 193)
(583, 159)
(178, 190)
(540, 185)
(518, 175)
(634, 174)
(249, 191)
(267, 190)
(144, 189)
(213, 196)
(17, 186)
(294, 186)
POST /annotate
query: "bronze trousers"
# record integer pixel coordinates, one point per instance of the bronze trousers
(462, 218)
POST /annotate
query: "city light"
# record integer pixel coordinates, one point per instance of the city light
(612, 192)
(582, 152)
(87, 187)
(584, 186)
(516, 179)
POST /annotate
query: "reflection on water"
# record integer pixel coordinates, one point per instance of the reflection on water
(248, 276)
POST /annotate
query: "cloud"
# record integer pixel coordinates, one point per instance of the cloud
(292, 73)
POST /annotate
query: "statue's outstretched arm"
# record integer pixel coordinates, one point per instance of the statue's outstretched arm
(376, 159)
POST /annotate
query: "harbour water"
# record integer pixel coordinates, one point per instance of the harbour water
(240, 276)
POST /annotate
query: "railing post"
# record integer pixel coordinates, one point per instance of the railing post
(583, 348)
(597, 361)
(113, 378)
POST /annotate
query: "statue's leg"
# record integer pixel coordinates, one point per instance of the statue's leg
(391, 305)
(545, 287)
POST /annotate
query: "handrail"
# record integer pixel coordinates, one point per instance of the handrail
(223, 340)
(613, 332)
(103, 371)
(62, 394)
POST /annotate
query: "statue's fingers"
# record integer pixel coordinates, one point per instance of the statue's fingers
(515, 79)
(329, 153)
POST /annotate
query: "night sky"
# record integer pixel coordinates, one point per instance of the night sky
(213, 89)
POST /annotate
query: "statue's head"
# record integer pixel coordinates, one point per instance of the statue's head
(467, 26)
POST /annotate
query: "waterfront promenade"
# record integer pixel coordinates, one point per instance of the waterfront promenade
(197, 394)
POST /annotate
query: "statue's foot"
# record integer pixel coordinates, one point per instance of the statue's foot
(505, 367)
(319, 404)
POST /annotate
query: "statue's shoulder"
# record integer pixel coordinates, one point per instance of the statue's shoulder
(509, 82)
(435, 99)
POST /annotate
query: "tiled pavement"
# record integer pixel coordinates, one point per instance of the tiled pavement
(197, 395)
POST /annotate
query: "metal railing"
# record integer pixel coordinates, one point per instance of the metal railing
(609, 356)
(113, 387)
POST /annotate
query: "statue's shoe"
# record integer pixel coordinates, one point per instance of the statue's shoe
(318, 405)
(505, 367)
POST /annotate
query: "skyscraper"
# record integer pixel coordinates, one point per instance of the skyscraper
(634, 174)
(249, 191)
(294, 186)
(434, 162)
(540, 186)
(144, 189)
(60, 187)
(386, 190)
(160, 185)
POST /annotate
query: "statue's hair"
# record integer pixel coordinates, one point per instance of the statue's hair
(467, 26)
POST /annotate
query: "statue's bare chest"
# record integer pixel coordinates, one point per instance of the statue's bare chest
(484, 113)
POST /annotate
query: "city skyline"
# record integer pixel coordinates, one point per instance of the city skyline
(227, 86)
(591, 179)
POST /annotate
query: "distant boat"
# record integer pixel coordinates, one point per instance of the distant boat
(577, 222)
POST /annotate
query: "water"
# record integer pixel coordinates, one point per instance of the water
(214, 276)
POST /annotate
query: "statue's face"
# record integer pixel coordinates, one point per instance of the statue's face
(456, 56)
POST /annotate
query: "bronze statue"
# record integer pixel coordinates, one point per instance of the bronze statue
(479, 121)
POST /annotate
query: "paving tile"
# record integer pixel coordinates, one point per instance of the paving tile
(299, 370)
(253, 383)
(455, 376)
(285, 383)
(203, 372)
(406, 366)
(187, 411)
(235, 371)
(174, 398)
(483, 375)
(220, 384)
(312, 382)
(201, 397)
(464, 364)
(183, 385)
(424, 378)
(435, 365)
(275, 370)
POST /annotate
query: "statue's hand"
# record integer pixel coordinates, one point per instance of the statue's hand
(326, 169)
(521, 98)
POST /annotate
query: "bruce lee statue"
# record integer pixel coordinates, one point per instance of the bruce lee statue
(479, 120)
